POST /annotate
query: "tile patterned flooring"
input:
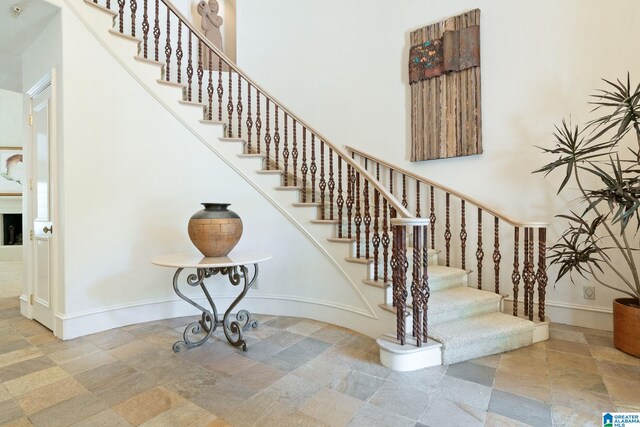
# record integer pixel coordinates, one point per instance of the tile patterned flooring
(298, 372)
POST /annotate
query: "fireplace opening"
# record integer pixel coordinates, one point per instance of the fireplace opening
(11, 229)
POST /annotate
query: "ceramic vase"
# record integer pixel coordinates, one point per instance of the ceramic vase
(215, 230)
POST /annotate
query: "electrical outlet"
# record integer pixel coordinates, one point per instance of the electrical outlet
(589, 292)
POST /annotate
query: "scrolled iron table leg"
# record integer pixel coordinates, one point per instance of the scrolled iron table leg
(243, 321)
(209, 320)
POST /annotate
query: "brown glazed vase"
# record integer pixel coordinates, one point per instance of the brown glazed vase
(215, 230)
(626, 325)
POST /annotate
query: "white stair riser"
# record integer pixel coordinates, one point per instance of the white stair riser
(435, 283)
(469, 310)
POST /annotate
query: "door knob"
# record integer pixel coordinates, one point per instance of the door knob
(47, 229)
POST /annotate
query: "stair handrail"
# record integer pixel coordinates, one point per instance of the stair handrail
(400, 210)
(468, 199)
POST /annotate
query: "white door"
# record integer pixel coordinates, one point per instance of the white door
(43, 227)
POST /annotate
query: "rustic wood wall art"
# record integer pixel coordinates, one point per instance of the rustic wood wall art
(444, 74)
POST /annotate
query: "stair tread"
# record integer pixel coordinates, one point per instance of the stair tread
(474, 329)
(445, 300)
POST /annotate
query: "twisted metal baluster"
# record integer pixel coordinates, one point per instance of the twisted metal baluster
(133, 5)
(331, 184)
(276, 138)
(294, 154)
(285, 150)
(404, 191)
(496, 254)
(426, 293)
(479, 251)
(447, 229)
(121, 16)
(416, 285)
(385, 241)
(219, 90)
(249, 118)
(145, 27)
(267, 136)
(542, 272)
(417, 199)
(239, 107)
(258, 122)
(230, 106)
(350, 182)
(340, 198)
(367, 220)
(399, 282)
(200, 71)
(156, 31)
(304, 169)
(210, 87)
(313, 168)
(167, 48)
(515, 276)
(526, 279)
(357, 219)
(376, 230)
(189, 69)
(323, 184)
(432, 220)
(532, 275)
(179, 52)
(463, 234)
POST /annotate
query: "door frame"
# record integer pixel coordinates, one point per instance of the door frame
(49, 79)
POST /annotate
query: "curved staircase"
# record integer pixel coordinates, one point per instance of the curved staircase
(342, 204)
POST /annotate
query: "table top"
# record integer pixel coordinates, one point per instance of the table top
(196, 260)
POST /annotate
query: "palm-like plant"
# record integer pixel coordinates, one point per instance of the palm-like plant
(610, 220)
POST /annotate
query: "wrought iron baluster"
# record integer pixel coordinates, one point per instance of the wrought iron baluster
(304, 168)
(167, 48)
(239, 107)
(496, 253)
(542, 272)
(189, 69)
(366, 220)
(156, 31)
(532, 275)
(515, 276)
(210, 86)
(323, 184)
(432, 219)
(416, 287)
(145, 27)
(526, 279)
(259, 123)
(417, 199)
(200, 71)
(219, 91)
(479, 251)
(294, 153)
(400, 279)
(276, 138)
(463, 234)
(285, 150)
(249, 118)
(447, 228)
(357, 220)
(313, 168)
(267, 137)
(121, 16)
(350, 183)
(340, 198)
(179, 52)
(385, 241)
(230, 105)
(331, 184)
(133, 5)
(404, 191)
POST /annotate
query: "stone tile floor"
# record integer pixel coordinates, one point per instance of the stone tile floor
(298, 372)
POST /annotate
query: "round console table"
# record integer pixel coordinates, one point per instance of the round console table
(235, 267)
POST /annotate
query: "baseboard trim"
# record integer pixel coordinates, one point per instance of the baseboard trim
(570, 314)
(87, 322)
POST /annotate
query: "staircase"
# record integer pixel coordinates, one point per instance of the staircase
(345, 203)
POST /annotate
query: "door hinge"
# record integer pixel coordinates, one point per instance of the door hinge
(31, 299)
(30, 119)
(30, 184)
(30, 234)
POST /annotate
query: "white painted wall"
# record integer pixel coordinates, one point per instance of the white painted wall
(130, 178)
(342, 67)
(11, 123)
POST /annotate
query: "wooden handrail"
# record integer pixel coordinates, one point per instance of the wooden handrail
(400, 210)
(451, 191)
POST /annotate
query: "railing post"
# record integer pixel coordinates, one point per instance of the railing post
(515, 276)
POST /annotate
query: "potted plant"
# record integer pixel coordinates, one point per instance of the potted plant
(601, 240)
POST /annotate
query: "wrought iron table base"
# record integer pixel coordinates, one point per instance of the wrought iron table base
(209, 322)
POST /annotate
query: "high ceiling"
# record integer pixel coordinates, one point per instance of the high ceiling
(17, 34)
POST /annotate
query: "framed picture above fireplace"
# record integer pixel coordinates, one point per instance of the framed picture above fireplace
(12, 171)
